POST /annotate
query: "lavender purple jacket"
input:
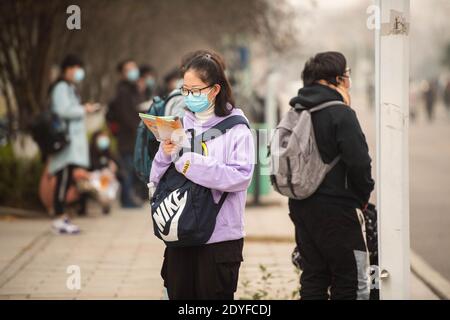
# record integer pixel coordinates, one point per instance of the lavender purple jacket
(228, 167)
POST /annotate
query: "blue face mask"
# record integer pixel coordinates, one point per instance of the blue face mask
(197, 104)
(78, 76)
(133, 75)
(103, 143)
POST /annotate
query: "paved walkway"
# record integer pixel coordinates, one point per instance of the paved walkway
(119, 258)
(117, 255)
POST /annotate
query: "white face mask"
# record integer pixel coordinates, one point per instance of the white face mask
(349, 83)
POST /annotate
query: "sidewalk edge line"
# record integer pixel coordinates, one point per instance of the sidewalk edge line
(23, 258)
(22, 213)
(430, 277)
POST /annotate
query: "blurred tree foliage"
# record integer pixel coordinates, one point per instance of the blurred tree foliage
(34, 37)
(19, 184)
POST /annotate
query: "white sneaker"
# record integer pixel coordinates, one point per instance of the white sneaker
(64, 226)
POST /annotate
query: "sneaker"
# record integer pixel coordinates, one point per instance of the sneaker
(64, 226)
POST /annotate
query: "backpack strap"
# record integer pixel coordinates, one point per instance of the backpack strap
(214, 132)
(289, 177)
(320, 106)
(221, 128)
(176, 93)
(333, 163)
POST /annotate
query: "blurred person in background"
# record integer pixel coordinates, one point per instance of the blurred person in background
(370, 89)
(104, 166)
(328, 231)
(65, 102)
(429, 96)
(172, 80)
(123, 120)
(413, 97)
(147, 86)
(446, 97)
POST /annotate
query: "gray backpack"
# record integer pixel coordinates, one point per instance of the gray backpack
(296, 167)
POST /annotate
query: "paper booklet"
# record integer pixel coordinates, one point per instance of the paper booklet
(166, 128)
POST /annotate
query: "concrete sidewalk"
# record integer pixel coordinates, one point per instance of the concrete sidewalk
(119, 258)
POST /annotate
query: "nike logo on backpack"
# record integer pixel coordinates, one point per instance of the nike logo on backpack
(168, 213)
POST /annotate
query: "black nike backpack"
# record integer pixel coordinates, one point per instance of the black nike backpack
(183, 212)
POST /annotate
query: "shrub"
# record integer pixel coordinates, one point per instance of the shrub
(19, 180)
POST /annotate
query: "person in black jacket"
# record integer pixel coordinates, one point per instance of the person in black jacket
(328, 230)
(123, 121)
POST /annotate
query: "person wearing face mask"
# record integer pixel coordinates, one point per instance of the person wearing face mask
(65, 102)
(327, 229)
(173, 80)
(101, 159)
(123, 121)
(148, 77)
(146, 85)
(100, 152)
(210, 270)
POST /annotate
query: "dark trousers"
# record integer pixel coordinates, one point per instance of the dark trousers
(203, 272)
(331, 243)
(64, 179)
(127, 196)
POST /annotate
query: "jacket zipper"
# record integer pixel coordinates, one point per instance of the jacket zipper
(346, 180)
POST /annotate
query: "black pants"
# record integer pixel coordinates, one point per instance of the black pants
(64, 179)
(333, 249)
(128, 179)
(203, 272)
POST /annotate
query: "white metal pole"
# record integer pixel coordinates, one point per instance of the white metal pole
(392, 105)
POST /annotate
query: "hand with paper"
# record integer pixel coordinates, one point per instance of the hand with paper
(167, 128)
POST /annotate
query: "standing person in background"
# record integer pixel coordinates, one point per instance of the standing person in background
(328, 231)
(65, 102)
(123, 121)
(146, 85)
(413, 92)
(429, 97)
(447, 97)
(172, 80)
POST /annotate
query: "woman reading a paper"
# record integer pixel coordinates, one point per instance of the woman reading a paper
(225, 165)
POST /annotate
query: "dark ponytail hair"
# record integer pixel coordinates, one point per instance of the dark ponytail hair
(324, 66)
(210, 68)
